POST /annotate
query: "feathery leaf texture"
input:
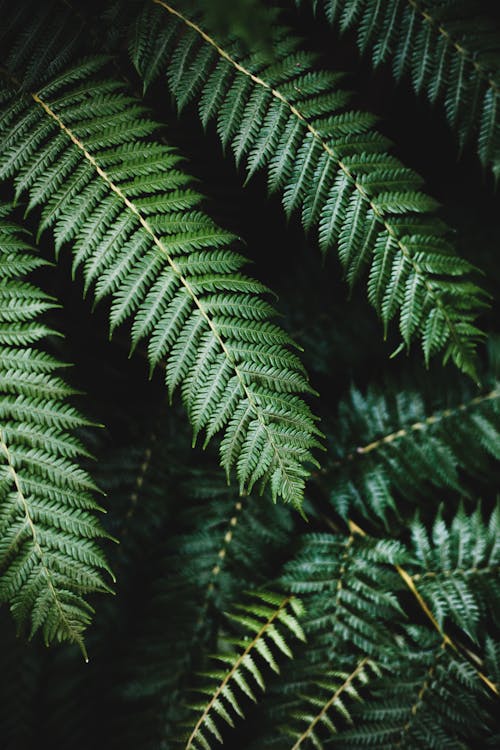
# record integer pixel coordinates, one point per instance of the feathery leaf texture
(453, 569)
(354, 590)
(49, 557)
(309, 710)
(79, 147)
(348, 585)
(449, 48)
(269, 622)
(429, 699)
(401, 441)
(329, 163)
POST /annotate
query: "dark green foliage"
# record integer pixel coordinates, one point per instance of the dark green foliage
(449, 48)
(399, 441)
(269, 622)
(330, 164)
(137, 231)
(49, 558)
(370, 618)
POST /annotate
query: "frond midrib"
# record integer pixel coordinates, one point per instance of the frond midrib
(73, 633)
(174, 266)
(329, 703)
(234, 669)
(404, 432)
(406, 252)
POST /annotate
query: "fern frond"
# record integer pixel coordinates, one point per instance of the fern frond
(312, 718)
(125, 205)
(400, 441)
(456, 566)
(270, 621)
(49, 558)
(331, 165)
(452, 571)
(430, 698)
(349, 587)
(450, 51)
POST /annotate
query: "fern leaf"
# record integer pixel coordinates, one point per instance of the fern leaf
(49, 557)
(450, 51)
(269, 621)
(404, 442)
(429, 698)
(128, 210)
(330, 163)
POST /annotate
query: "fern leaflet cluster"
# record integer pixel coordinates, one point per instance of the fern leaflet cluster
(399, 441)
(331, 165)
(269, 620)
(49, 557)
(79, 148)
(449, 49)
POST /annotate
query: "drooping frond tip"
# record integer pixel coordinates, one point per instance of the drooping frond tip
(49, 558)
(127, 208)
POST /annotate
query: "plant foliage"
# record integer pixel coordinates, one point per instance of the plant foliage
(49, 558)
(137, 231)
(371, 617)
(450, 50)
(330, 164)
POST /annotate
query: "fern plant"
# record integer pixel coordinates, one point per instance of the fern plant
(364, 610)
(450, 50)
(49, 558)
(330, 164)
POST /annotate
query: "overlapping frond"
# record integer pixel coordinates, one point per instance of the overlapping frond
(349, 587)
(80, 148)
(399, 441)
(49, 557)
(269, 622)
(355, 593)
(330, 164)
(430, 699)
(309, 709)
(449, 48)
(452, 570)
(456, 568)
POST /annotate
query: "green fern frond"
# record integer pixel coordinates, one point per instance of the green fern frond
(450, 49)
(311, 717)
(400, 441)
(269, 621)
(349, 587)
(452, 571)
(429, 699)
(49, 558)
(455, 567)
(330, 164)
(78, 147)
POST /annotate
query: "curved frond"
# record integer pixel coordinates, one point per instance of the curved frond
(269, 622)
(312, 705)
(284, 115)
(78, 147)
(428, 699)
(49, 558)
(450, 50)
(403, 442)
